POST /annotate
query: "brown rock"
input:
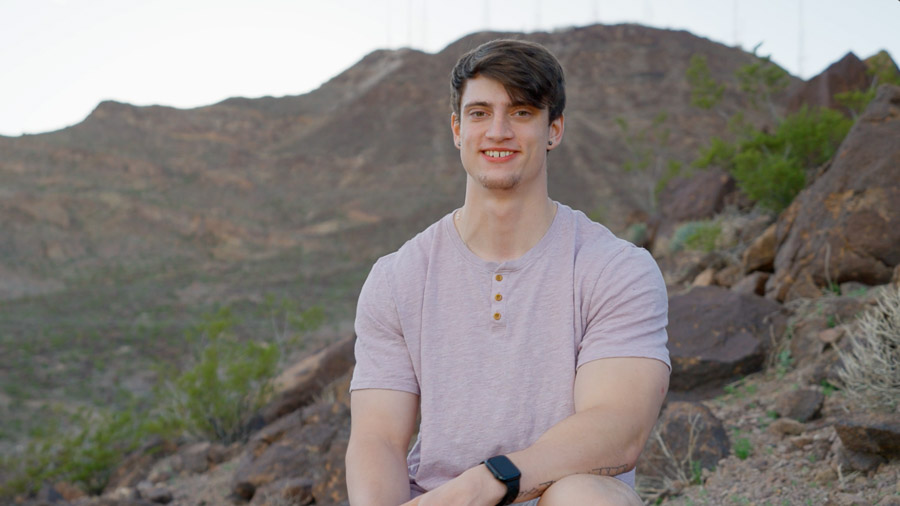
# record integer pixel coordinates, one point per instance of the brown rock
(801, 405)
(843, 226)
(195, 457)
(729, 276)
(68, 491)
(296, 445)
(785, 427)
(687, 432)
(695, 198)
(825, 476)
(138, 465)
(298, 384)
(294, 491)
(760, 255)
(848, 74)
(871, 433)
(858, 461)
(754, 284)
(705, 278)
(716, 334)
(831, 336)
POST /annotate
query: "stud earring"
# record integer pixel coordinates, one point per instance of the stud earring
(549, 143)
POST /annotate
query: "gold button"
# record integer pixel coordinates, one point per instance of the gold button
(499, 277)
(498, 297)
(496, 316)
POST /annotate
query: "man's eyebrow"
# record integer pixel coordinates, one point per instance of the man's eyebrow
(480, 103)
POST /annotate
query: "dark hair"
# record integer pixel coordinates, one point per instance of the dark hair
(527, 70)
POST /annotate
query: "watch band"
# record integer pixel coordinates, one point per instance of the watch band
(507, 473)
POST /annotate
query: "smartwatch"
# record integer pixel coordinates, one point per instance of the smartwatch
(504, 470)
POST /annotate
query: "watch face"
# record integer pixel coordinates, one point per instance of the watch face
(503, 468)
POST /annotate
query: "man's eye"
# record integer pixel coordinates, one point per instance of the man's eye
(523, 113)
(477, 114)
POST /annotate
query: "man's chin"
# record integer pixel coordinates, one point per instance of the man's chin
(503, 183)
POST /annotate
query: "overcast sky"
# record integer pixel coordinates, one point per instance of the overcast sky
(60, 58)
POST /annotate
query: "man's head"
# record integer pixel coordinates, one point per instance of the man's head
(530, 74)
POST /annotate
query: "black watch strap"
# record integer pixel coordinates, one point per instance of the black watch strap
(507, 473)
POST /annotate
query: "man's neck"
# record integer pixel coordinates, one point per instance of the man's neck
(503, 227)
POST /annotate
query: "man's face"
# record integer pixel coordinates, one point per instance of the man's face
(502, 145)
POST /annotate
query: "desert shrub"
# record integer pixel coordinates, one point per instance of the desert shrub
(871, 367)
(770, 168)
(225, 384)
(81, 448)
(696, 236)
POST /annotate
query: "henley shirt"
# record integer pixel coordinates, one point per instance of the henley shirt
(492, 348)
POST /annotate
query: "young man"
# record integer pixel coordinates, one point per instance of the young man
(530, 338)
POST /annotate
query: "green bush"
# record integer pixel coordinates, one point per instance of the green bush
(770, 168)
(227, 382)
(83, 454)
(214, 398)
(696, 236)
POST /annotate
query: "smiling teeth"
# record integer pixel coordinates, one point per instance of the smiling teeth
(498, 154)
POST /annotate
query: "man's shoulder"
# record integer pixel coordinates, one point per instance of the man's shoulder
(415, 254)
(597, 248)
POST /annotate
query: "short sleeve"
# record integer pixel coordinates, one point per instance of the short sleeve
(382, 356)
(627, 310)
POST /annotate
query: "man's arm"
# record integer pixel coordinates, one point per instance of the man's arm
(382, 424)
(617, 401)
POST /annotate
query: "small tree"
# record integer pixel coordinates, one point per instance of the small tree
(648, 150)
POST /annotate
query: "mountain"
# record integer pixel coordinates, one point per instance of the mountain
(118, 232)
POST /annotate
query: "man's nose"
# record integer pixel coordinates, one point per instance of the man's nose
(499, 127)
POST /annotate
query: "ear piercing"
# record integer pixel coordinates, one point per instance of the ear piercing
(549, 143)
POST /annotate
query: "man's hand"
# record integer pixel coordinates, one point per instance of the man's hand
(475, 487)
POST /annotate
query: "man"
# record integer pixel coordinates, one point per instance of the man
(530, 339)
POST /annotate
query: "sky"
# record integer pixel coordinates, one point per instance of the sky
(60, 58)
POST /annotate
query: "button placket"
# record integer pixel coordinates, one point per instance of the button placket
(498, 305)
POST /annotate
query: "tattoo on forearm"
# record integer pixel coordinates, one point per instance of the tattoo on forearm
(540, 489)
(599, 471)
(609, 471)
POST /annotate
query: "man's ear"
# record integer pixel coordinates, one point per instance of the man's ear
(454, 127)
(557, 128)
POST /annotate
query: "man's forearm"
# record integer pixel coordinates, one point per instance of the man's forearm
(376, 473)
(596, 441)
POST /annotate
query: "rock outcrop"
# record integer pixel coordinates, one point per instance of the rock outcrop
(845, 226)
(848, 74)
(716, 334)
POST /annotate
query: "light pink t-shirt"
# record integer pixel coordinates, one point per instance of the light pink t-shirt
(492, 348)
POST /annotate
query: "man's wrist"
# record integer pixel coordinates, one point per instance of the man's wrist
(489, 486)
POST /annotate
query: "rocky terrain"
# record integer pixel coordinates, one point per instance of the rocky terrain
(165, 210)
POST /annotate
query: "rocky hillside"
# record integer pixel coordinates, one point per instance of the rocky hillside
(117, 234)
(226, 202)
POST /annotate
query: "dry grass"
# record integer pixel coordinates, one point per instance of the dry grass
(871, 366)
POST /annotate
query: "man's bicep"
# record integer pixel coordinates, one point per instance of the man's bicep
(389, 415)
(634, 383)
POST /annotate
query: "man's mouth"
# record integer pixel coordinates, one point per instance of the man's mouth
(497, 154)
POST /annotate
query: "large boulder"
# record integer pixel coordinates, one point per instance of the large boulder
(848, 74)
(846, 225)
(716, 334)
(298, 385)
(698, 197)
(687, 434)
